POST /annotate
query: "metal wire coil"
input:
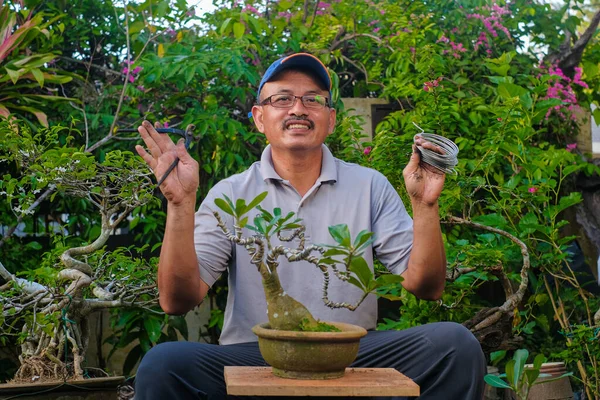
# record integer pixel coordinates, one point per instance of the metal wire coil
(444, 162)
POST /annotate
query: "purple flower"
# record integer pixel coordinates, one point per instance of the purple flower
(141, 88)
(571, 146)
(136, 70)
(323, 5)
(166, 125)
(125, 70)
(367, 150)
(376, 30)
(533, 189)
(131, 78)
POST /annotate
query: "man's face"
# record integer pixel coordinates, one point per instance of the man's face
(297, 128)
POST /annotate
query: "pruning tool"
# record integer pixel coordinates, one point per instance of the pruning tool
(187, 135)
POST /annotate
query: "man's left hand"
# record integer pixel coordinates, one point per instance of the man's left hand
(424, 183)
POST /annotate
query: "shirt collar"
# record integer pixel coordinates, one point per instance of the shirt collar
(328, 167)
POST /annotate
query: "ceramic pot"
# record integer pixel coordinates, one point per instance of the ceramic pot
(309, 355)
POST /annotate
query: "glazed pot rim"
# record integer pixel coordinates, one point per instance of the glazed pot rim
(349, 331)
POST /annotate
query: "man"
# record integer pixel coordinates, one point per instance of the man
(293, 111)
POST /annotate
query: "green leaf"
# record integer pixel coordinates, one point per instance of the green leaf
(240, 206)
(153, 328)
(223, 206)
(493, 220)
(389, 279)
(361, 269)
(494, 381)
(538, 361)
(238, 30)
(256, 201)
(335, 252)
(34, 245)
(225, 25)
(132, 358)
(509, 90)
(39, 76)
(526, 100)
(497, 356)
(546, 104)
(352, 280)
(509, 369)
(340, 234)
(552, 379)
(14, 75)
(520, 359)
(180, 324)
(362, 238)
(260, 224)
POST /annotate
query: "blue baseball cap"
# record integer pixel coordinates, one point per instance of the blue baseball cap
(303, 60)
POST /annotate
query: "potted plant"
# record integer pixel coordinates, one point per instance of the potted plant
(520, 378)
(293, 342)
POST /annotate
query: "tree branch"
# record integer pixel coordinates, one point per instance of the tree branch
(568, 57)
(495, 314)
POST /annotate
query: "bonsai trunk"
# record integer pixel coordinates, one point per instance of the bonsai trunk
(284, 312)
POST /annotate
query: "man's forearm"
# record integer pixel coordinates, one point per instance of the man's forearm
(426, 273)
(179, 284)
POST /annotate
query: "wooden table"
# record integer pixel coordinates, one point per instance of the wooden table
(259, 381)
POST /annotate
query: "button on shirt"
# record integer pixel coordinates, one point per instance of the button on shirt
(344, 193)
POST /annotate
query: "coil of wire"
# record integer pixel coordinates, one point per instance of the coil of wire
(444, 162)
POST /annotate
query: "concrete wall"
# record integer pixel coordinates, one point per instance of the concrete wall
(362, 107)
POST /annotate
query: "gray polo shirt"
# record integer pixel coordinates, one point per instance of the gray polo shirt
(345, 193)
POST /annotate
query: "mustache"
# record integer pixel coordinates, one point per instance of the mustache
(301, 118)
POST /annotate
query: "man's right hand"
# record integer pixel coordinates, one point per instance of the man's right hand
(182, 183)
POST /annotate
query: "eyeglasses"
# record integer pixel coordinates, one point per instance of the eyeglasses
(312, 101)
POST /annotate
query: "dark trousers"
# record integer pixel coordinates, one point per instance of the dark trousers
(443, 358)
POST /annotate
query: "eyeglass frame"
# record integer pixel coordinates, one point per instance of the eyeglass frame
(268, 101)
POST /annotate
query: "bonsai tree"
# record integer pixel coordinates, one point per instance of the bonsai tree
(343, 260)
(48, 308)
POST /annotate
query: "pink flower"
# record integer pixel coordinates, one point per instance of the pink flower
(376, 30)
(251, 9)
(571, 146)
(125, 70)
(533, 189)
(499, 119)
(166, 125)
(131, 78)
(141, 88)
(367, 150)
(322, 4)
(136, 70)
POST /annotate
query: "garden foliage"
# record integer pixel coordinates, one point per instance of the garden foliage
(475, 71)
